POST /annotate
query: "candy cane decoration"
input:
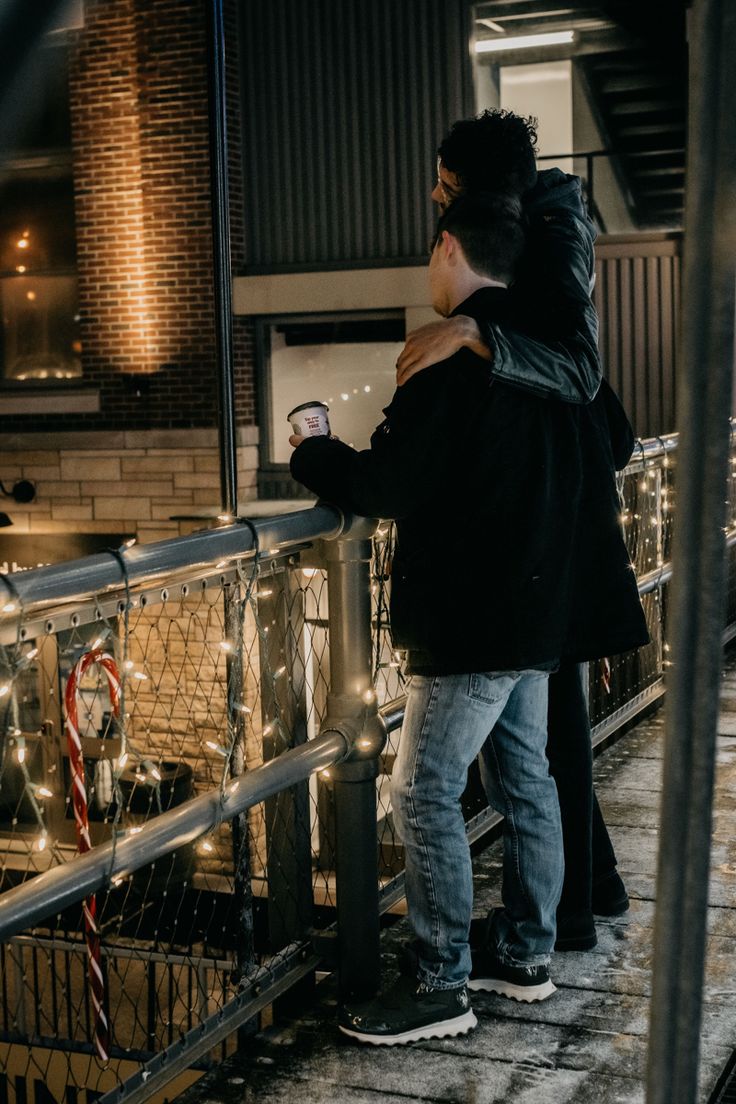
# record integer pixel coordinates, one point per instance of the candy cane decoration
(606, 674)
(96, 657)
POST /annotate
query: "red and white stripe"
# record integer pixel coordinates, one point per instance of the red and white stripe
(103, 660)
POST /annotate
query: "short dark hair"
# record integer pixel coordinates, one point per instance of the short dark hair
(493, 152)
(490, 230)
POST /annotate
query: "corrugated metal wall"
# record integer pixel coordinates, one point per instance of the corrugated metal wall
(344, 103)
(637, 296)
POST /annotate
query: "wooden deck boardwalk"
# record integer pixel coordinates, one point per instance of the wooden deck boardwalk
(587, 1044)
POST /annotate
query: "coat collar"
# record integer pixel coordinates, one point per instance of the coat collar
(491, 304)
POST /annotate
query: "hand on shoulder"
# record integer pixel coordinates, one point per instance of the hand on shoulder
(437, 341)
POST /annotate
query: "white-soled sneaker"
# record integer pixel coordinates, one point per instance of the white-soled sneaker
(521, 983)
(407, 1012)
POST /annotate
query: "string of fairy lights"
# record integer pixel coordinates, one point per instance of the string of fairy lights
(647, 512)
(646, 521)
(647, 527)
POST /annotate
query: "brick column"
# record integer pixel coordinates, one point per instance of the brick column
(141, 167)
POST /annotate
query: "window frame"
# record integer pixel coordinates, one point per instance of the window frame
(274, 479)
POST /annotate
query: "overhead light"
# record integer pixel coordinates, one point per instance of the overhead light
(521, 42)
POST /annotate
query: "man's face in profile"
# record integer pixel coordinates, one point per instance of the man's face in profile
(448, 187)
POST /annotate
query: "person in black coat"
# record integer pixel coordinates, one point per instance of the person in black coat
(499, 474)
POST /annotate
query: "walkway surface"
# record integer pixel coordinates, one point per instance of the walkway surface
(587, 1044)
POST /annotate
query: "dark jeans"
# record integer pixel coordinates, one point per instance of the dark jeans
(589, 853)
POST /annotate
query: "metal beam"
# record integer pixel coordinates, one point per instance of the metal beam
(705, 370)
(221, 256)
(260, 990)
(145, 564)
(61, 886)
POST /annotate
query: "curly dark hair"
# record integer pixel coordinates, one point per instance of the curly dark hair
(493, 152)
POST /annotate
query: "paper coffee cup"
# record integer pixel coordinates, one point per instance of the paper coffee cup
(310, 420)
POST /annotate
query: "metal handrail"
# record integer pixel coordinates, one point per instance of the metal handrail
(203, 552)
(608, 153)
(147, 564)
(63, 885)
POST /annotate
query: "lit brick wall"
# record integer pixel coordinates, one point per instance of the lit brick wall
(140, 134)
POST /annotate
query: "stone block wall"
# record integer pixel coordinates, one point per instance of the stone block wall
(127, 482)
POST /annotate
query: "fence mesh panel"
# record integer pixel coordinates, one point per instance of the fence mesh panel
(217, 676)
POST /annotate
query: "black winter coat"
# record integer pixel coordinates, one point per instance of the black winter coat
(549, 342)
(498, 502)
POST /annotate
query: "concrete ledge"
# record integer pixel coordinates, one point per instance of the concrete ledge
(50, 402)
(123, 440)
(351, 289)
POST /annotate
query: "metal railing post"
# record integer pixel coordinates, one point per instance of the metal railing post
(234, 599)
(221, 256)
(351, 708)
(697, 610)
(284, 709)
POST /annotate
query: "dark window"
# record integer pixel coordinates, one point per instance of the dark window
(38, 285)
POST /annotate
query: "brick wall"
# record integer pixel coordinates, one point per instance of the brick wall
(140, 134)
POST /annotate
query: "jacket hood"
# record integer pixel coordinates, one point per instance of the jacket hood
(555, 188)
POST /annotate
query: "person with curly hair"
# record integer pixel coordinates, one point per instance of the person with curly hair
(548, 346)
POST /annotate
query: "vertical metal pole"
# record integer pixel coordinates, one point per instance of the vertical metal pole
(221, 255)
(351, 699)
(234, 610)
(284, 707)
(697, 610)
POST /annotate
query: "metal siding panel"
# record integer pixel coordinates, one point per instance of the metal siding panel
(394, 123)
(280, 137)
(599, 302)
(638, 304)
(613, 351)
(677, 315)
(326, 131)
(311, 177)
(654, 349)
(251, 118)
(344, 106)
(668, 347)
(624, 322)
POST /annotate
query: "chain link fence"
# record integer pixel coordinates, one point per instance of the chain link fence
(128, 704)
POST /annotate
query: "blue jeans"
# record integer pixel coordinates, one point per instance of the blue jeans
(449, 720)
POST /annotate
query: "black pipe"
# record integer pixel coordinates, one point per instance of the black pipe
(697, 603)
(356, 874)
(221, 256)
